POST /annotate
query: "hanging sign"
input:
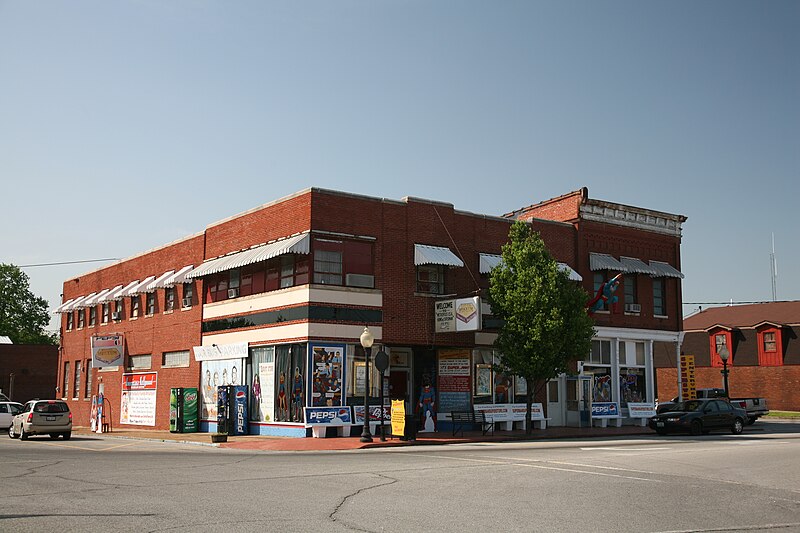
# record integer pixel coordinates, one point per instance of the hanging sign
(107, 350)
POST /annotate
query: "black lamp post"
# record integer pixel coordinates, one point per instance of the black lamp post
(366, 341)
(724, 354)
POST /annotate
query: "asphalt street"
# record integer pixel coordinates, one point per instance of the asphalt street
(717, 482)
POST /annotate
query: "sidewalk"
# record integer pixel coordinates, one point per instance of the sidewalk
(265, 443)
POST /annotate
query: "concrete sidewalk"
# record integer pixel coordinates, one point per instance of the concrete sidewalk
(260, 442)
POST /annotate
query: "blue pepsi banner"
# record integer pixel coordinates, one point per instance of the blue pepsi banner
(328, 415)
(605, 410)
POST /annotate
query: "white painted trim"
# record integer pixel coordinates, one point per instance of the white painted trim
(302, 331)
(637, 334)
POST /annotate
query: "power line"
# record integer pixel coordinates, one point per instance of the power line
(69, 262)
(731, 302)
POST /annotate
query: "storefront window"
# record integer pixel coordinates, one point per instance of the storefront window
(290, 390)
(632, 386)
(262, 384)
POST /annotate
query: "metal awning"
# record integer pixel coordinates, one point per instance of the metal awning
(160, 282)
(636, 266)
(83, 302)
(66, 308)
(139, 287)
(91, 302)
(574, 276)
(63, 307)
(488, 262)
(125, 291)
(665, 270)
(297, 244)
(178, 277)
(604, 262)
(435, 255)
(110, 295)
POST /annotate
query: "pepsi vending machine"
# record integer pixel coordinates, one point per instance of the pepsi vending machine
(183, 410)
(232, 410)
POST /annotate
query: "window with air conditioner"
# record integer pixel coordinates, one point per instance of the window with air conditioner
(233, 293)
(188, 294)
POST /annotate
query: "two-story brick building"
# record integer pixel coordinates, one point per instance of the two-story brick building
(276, 298)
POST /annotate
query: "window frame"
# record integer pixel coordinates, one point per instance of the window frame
(136, 303)
(70, 321)
(715, 345)
(92, 315)
(132, 358)
(169, 299)
(660, 286)
(182, 364)
(106, 312)
(773, 357)
(150, 304)
(440, 284)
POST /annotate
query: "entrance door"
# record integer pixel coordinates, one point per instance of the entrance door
(578, 401)
(556, 402)
(398, 385)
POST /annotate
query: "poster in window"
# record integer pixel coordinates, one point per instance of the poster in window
(327, 364)
(483, 380)
(359, 369)
(521, 386)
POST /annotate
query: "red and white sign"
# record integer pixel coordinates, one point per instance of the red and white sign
(138, 403)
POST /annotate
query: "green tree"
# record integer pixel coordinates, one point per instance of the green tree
(23, 315)
(545, 323)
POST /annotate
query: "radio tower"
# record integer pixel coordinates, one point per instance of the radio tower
(774, 270)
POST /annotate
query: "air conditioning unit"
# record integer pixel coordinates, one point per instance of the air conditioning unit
(233, 293)
(116, 315)
(187, 302)
(360, 280)
(633, 308)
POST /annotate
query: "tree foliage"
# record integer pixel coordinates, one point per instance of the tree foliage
(545, 324)
(23, 315)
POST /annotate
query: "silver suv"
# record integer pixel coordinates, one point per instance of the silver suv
(42, 417)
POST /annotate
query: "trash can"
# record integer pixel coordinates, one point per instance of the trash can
(411, 428)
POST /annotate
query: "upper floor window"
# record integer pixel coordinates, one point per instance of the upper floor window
(629, 285)
(770, 352)
(719, 341)
(601, 353)
(327, 267)
(106, 312)
(430, 279)
(65, 392)
(188, 294)
(117, 310)
(151, 304)
(136, 362)
(92, 315)
(135, 303)
(76, 389)
(69, 320)
(599, 278)
(81, 317)
(175, 359)
(659, 297)
(169, 298)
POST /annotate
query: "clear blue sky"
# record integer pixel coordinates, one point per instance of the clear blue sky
(125, 125)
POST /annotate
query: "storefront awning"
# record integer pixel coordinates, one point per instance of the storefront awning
(125, 291)
(159, 282)
(488, 262)
(435, 255)
(297, 244)
(83, 302)
(604, 262)
(665, 270)
(636, 266)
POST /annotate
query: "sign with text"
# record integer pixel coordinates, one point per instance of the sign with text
(398, 418)
(138, 403)
(462, 314)
(454, 385)
(107, 350)
(605, 410)
(328, 415)
(641, 410)
(374, 413)
(220, 352)
(688, 385)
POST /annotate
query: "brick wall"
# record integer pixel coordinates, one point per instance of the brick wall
(34, 367)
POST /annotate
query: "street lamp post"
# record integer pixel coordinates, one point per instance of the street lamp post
(724, 354)
(366, 341)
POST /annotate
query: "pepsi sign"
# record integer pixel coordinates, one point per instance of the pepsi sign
(605, 410)
(328, 415)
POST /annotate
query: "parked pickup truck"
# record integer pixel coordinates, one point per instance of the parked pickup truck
(755, 407)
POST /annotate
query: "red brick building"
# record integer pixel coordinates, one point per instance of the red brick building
(276, 298)
(764, 354)
(28, 371)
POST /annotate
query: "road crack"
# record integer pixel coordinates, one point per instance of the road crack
(344, 500)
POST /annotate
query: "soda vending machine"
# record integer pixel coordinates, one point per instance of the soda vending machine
(232, 410)
(183, 410)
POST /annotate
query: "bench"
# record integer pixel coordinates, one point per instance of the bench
(470, 418)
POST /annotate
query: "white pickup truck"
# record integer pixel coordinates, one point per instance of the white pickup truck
(755, 407)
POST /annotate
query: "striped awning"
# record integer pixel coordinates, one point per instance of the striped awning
(488, 262)
(110, 296)
(665, 270)
(604, 262)
(80, 303)
(296, 244)
(139, 287)
(636, 266)
(435, 255)
(73, 305)
(159, 282)
(178, 277)
(63, 307)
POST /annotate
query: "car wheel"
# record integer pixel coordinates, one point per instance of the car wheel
(11, 432)
(53, 436)
(22, 433)
(738, 426)
(67, 435)
(697, 427)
